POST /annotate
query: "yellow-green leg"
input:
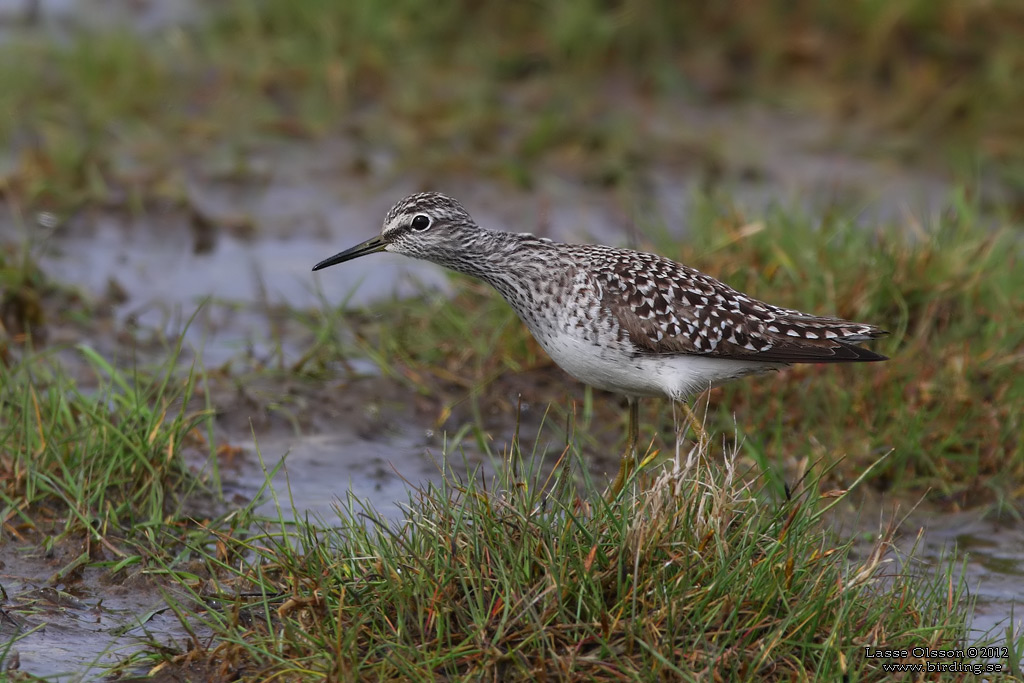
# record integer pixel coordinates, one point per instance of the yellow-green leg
(628, 462)
(698, 428)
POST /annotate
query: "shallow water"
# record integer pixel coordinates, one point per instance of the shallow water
(319, 469)
(995, 564)
(62, 19)
(76, 630)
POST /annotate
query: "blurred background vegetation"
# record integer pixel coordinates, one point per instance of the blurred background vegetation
(471, 86)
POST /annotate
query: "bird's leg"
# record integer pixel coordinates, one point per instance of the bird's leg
(628, 462)
(695, 424)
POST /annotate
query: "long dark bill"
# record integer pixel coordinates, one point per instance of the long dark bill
(370, 246)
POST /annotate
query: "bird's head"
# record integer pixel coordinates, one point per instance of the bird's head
(428, 226)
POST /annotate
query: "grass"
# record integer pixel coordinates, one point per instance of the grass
(99, 459)
(24, 294)
(106, 119)
(528, 576)
(948, 403)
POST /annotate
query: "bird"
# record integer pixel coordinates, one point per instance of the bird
(628, 322)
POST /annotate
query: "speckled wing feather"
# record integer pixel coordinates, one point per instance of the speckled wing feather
(665, 307)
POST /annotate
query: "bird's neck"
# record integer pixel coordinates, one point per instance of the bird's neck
(502, 258)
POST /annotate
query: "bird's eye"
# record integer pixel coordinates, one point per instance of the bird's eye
(420, 222)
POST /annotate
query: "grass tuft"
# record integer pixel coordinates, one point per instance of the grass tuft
(528, 577)
(104, 460)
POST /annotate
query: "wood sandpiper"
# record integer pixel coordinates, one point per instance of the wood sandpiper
(624, 321)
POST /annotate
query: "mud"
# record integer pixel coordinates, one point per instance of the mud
(991, 549)
(995, 564)
(77, 628)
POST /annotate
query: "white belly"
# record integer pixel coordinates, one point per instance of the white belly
(674, 376)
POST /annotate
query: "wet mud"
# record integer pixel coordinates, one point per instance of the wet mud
(76, 627)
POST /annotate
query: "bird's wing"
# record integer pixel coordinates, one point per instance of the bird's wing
(666, 307)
